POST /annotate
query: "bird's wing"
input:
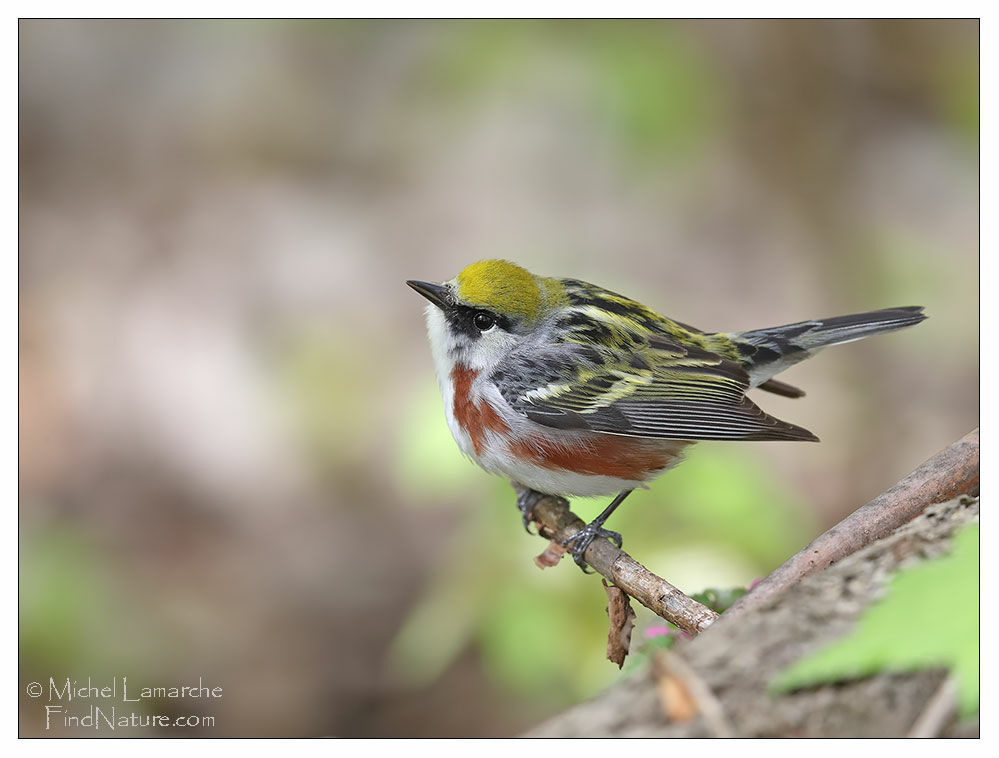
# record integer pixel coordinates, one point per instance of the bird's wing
(665, 390)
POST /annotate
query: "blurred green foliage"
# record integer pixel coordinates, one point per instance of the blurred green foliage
(426, 456)
(654, 92)
(76, 614)
(658, 90)
(64, 597)
(928, 617)
(959, 86)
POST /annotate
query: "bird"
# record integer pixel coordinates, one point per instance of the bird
(570, 389)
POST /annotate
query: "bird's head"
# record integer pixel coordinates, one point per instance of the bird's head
(488, 310)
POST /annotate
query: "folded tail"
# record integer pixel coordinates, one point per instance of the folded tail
(769, 351)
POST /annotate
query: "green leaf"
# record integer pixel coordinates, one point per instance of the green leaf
(929, 617)
(719, 600)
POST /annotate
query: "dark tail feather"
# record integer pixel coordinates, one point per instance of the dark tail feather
(782, 388)
(772, 350)
(809, 335)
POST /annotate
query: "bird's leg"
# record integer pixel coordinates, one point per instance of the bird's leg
(581, 540)
(526, 500)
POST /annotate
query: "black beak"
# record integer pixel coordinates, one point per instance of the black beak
(435, 293)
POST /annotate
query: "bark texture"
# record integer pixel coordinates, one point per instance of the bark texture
(730, 664)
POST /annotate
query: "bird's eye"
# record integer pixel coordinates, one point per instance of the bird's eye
(483, 321)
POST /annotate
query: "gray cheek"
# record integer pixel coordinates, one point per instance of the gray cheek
(491, 349)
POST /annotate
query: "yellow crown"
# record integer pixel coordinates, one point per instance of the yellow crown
(507, 288)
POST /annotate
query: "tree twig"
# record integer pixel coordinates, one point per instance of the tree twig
(937, 712)
(557, 523)
(951, 472)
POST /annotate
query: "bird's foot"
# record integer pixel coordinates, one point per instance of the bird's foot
(581, 540)
(526, 500)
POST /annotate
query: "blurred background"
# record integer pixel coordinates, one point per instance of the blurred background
(233, 457)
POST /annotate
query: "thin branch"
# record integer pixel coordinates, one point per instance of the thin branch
(937, 712)
(951, 472)
(557, 523)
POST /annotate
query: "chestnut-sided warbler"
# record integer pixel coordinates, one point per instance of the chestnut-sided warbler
(570, 389)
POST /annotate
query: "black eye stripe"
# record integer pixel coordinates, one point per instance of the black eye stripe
(472, 321)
